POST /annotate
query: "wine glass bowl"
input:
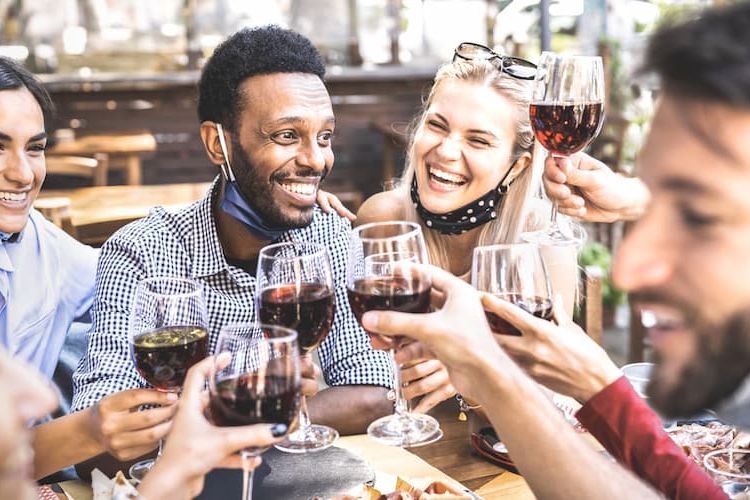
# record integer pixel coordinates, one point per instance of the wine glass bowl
(168, 335)
(255, 380)
(386, 272)
(515, 273)
(296, 291)
(392, 282)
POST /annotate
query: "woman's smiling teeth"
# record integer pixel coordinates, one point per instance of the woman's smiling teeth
(8, 196)
(444, 177)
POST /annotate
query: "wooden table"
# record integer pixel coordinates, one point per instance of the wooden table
(448, 460)
(97, 212)
(453, 456)
(123, 151)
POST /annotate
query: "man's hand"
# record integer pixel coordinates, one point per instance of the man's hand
(560, 356)
(329, 202)
(423, 376)
(126, 433)
(586, 188)
(310, 373)
(195, 446)
(457, 334)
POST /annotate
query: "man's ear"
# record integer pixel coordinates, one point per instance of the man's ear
(522, 163)
(210, 138)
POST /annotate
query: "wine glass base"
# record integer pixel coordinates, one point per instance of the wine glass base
(407, 430)
(314, 438)
(139, 470)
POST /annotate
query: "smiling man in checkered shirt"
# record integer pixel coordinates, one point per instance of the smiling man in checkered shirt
(263, 96)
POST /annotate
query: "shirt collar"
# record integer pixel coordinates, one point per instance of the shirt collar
(5, 262)
(203, 239)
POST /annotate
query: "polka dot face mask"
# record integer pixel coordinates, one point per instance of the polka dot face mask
(465, 218)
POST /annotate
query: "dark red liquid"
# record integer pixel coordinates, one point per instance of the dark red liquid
(246, 400)
(388, 294)
(163, 356)
(539, 307)
(307, 308)
(564, 129)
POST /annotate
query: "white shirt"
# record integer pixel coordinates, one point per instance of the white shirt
(46, 281)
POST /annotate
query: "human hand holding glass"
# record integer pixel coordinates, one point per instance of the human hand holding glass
(259, 385)
(384, 274)
(168, 334)
(296, 291)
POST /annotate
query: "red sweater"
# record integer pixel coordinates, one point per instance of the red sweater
(631, 432)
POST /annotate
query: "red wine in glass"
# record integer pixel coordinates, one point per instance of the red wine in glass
(307, 308)
(388, 293)
(538, 306)
(239, 401)
(163, 356)
(565, 129)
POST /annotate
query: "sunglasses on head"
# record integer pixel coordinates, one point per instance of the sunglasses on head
(513, 66)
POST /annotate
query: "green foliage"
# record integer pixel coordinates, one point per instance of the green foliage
(596, 254)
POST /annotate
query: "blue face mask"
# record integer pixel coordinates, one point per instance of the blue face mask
(235, 204)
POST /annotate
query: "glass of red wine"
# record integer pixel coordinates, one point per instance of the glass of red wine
(168, 335)
(566, 112)
(295, 284)
(384, 273)
(255, 380)
(515, 273)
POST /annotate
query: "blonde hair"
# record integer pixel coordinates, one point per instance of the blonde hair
(513, 208)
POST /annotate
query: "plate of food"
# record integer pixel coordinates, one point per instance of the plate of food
(405, 490)
(699, 438)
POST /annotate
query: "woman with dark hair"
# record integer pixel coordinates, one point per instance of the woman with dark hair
(46, 281)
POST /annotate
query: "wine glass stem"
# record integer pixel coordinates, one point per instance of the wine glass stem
(553, 214)
(304, 417)
(247, 476)
(401, 405)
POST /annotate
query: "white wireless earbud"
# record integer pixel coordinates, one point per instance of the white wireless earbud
(226, 168)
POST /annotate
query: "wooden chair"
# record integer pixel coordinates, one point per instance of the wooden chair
(394, 145)
(57, 211)
(95, 168)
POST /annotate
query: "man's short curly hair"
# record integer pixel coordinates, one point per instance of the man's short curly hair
(250, 52)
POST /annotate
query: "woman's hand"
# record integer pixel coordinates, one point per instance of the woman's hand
(556, 354)
(423, 376)
(329, 202)
(195, 446)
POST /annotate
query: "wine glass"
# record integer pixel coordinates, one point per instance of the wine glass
(566, 111)
(515, 273)
(295, 284)
(168, 334)
(384, 273)
(258, 382)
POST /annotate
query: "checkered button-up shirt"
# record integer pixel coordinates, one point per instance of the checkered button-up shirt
(186, 244)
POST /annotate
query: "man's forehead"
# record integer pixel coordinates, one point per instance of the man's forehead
(696, 146)
(278, 91)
